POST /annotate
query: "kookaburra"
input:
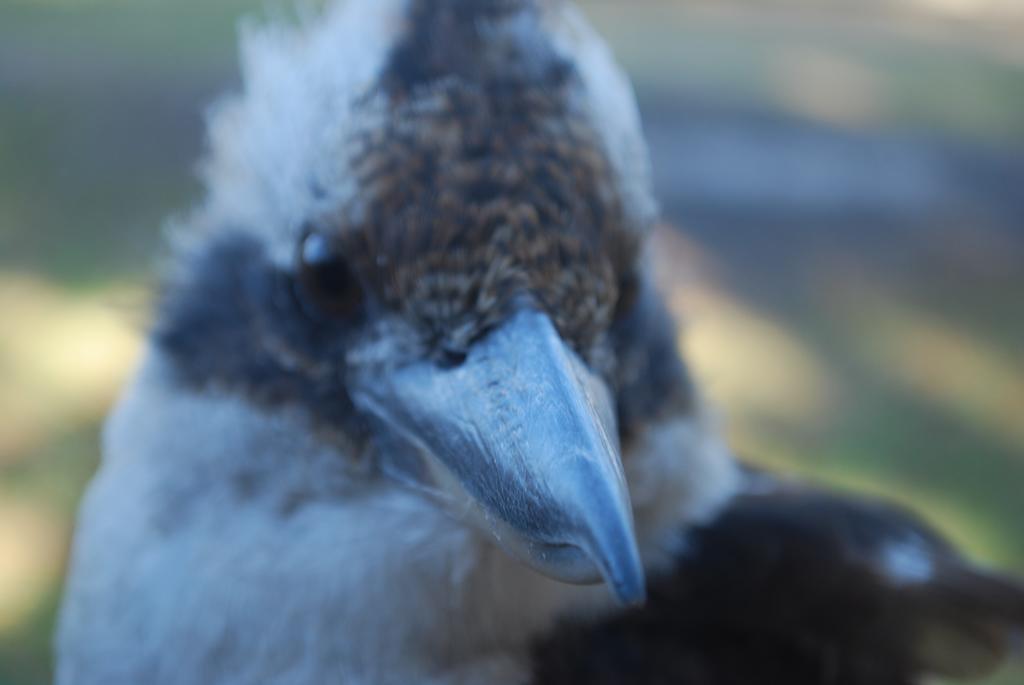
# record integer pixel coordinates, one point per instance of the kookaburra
(411, 410)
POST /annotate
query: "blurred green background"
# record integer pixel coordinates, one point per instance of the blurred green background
(848, 178)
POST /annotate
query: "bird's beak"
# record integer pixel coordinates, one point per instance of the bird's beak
(525, 434)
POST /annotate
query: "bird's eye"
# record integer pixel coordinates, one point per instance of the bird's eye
(326, 279)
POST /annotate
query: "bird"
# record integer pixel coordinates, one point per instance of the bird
(411, 409)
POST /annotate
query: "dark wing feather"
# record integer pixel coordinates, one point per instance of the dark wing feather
(801, 587)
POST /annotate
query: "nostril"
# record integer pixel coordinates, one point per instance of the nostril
(451, 359)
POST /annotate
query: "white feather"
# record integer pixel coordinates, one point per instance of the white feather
(180, 576)
(279, 151)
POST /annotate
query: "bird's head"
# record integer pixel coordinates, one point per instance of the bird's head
(442, 300)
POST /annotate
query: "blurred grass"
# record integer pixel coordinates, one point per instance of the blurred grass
(850, 368)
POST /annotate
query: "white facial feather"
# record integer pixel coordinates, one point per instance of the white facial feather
(194, 562)
(279, 150)
(680, 473)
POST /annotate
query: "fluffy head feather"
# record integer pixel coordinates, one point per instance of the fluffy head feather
(317, 95)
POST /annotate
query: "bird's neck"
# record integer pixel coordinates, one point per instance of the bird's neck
(371, 575)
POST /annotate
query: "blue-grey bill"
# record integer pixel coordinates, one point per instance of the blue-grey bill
(527, 432)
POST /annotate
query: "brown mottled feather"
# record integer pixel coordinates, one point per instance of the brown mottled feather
(481, 182)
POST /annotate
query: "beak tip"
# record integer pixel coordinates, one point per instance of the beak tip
(632, 593)
(624, 573)
(629, 583)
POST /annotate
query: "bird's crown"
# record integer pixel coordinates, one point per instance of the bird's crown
(460, 153)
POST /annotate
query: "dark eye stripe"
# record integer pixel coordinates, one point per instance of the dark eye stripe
(233, 323)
